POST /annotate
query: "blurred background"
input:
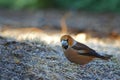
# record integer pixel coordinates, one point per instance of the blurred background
(30, 32)
(67, 16)
(88, 5)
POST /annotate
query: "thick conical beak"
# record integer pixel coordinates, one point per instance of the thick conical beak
(64, 44)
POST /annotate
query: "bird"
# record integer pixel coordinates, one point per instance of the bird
(79, 53)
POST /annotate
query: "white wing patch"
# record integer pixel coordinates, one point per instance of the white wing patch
(81, 51)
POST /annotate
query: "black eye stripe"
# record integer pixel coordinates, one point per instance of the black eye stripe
(65, 47)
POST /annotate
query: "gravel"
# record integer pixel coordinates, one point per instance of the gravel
(31, 60)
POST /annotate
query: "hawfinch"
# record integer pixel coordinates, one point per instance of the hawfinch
(79, 53)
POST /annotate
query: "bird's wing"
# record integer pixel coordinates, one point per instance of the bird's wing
(80, 47)
(85, 50)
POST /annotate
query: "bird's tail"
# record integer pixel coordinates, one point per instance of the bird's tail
(106, 57)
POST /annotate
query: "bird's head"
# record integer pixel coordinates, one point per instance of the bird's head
(67, 41)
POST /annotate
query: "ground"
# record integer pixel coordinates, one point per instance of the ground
(37, 60)
(35, 54)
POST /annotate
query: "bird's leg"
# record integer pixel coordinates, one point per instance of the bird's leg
(82, 66)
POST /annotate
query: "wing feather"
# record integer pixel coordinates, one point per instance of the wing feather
(85, 50)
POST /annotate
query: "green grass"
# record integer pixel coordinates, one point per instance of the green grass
(88, 5)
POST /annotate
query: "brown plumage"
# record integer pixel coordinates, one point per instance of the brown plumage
(79, 53)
